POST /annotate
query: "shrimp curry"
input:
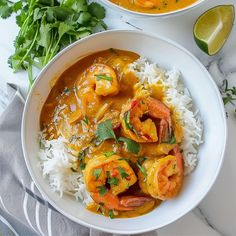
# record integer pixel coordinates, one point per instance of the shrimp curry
(153, 6)
(126, 139)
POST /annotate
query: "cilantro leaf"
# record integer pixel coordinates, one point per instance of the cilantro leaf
(102, 190)
(122, 172)
(130, 145)
(105, 131)
(5, 11)
(82, 165)
(113, 181)
(141, 160)
(111, 214)
(96, 10)
(173, 139)
(86, 121)
(108, 154)
(97, 173)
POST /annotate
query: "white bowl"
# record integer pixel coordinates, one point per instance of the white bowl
(136, 14)
(205, 95)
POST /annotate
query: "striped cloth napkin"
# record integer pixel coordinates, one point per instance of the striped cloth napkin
(23, 209)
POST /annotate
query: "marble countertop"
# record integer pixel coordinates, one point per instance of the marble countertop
(215, 215)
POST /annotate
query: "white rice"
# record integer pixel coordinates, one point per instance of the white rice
(57, 163)
(176, 95)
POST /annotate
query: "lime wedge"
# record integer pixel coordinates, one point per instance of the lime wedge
(213, 27)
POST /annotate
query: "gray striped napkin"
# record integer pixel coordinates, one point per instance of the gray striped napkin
(23, 210)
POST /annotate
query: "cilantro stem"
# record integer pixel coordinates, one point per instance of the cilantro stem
(30, 74)
(31, 46)
(53, 50)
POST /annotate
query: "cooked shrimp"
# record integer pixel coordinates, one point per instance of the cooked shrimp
(164, 176)
(148, 4)
(137, 123)
(106, 177)
(156, 150)
(98, 80)
(101, 78)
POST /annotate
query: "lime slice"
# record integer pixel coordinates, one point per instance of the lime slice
(213, 27)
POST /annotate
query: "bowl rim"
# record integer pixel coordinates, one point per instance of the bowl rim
(154, 15)
(24, 125)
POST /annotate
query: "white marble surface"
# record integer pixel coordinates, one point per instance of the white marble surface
(216, 213)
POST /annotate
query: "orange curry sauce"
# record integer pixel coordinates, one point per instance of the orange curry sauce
(63, 114)
(159, 6)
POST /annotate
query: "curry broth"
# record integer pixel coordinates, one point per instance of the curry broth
(163, 6)
(63, 91)
(62, 115)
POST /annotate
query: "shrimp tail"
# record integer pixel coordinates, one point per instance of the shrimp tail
(133, 201)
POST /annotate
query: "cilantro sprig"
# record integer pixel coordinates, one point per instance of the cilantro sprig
(46, 27)
(105, 131)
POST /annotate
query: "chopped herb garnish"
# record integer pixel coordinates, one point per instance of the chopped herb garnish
(73, 170)
(127, 123)
(102, 190)
(66, 91)
(103, 76)
(97, 173)
(81, 157)
(86, 121)
(50, 146)
(111, 214)
(108, 154)
(73, 138)
(141, 160)
(113, 181)
(41, 144)
(105, 131)
(82, 166)
(142, 169)
(101, 203)
(130, 145)
(173, 139)
(122, 172)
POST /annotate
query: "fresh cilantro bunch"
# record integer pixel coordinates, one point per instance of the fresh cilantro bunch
(47, 26)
